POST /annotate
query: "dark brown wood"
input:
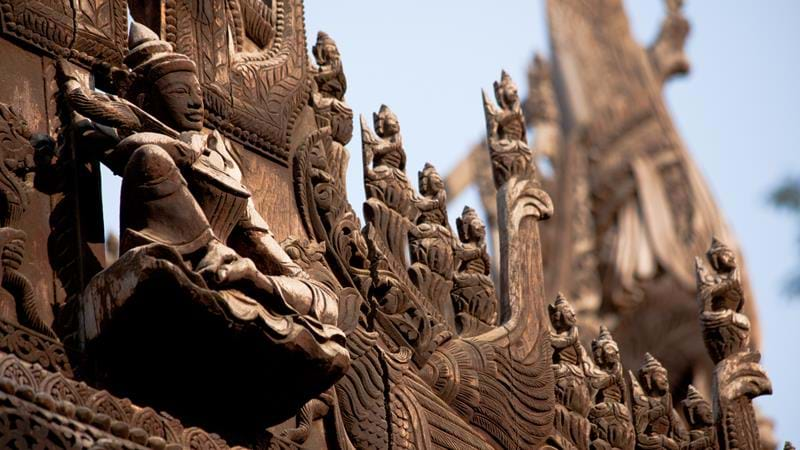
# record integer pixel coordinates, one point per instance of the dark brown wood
(250, 304)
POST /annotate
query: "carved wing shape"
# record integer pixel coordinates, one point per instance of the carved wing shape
(368, 140)
(639, 404)
(491, 112)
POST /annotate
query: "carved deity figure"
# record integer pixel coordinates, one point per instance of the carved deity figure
(18, 303)
(506, 131)
(328, 102)
(738, 376)
(657, 424)
(725, 329)
(329, 77)
(183, 201)
(431, 240)
(698, 413)
(474, 296)
(572, 368)
(433, 204)
(610, 418)
(385, 163)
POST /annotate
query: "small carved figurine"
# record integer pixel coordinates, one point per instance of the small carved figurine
(328, 102)
(725, 329)
(385, 163)
(738, 376)
(698, 413)
(505, 129)
(610, 417)
(572, 367)
(474, 296)
(433, 204)
(657, 424)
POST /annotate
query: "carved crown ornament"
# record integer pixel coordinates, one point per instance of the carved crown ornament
(217, 328)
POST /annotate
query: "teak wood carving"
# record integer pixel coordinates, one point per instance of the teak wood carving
(633, 208)
(330, 333)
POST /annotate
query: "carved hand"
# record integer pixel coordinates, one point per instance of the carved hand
(669, 444)
(67, 75)
(12, 242)
(656, 412)
(223, 266)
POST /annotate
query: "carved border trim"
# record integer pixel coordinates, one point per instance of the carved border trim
(34, 347)
(65, 36)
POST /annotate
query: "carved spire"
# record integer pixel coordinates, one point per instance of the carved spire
(541, 106)
(667, 54)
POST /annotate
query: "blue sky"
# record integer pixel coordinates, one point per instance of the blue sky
(738, 112)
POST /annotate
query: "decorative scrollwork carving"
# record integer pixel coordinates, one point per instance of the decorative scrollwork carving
(33, 347)
(16, 162)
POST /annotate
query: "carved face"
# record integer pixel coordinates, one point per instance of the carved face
(606, 355)
(177, 99)
(659, 384)
(703, 415)
(509, 95)
(386, 125)
(328, 53)
(726, 260)
(477, 230)
(431, 183)
(564, 317)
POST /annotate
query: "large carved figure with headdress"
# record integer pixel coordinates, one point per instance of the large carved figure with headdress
(187, 216)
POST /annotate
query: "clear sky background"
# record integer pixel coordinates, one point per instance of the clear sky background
(738, 111)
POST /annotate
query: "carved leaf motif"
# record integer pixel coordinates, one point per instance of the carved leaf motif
(198, 439)
(104, 403)
(11, 368)
(155, 425)
(60, 388)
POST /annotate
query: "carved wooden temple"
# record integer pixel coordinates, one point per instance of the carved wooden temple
(251, 307)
